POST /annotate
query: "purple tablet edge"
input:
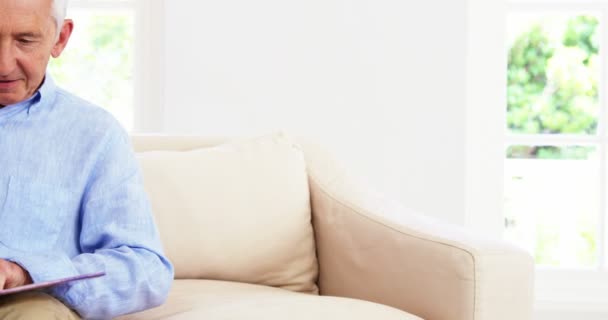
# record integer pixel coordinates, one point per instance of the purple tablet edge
(51, 283)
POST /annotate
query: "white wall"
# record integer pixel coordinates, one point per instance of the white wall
(380, 81)
(486, 83)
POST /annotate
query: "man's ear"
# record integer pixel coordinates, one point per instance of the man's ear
(64, 36)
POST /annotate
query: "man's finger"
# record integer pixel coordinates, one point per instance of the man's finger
(2, 281)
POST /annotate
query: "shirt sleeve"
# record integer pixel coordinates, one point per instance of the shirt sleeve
(118, 236)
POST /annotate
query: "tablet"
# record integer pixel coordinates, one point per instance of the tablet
(46, 284)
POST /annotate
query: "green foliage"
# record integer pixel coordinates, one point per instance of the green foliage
(553, 83)
(581, 33)
(550, 152)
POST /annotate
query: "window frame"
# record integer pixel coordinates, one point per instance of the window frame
(557, 289)
(148, 58)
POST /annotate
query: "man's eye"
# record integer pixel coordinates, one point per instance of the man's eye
(26, 41)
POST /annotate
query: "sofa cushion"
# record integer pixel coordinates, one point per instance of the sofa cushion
(208, 299)
(239, 212)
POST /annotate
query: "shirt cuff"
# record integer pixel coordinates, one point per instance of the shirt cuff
(44, 267)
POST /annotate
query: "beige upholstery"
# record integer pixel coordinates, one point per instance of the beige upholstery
(239, 212)
(371, 249)
(208, 299)
(434, 270)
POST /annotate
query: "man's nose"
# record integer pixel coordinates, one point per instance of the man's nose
(8, 60)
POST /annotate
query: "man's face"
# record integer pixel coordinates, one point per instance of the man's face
(27, 40)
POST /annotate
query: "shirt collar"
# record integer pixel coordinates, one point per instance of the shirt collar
(43, 96)
(46, 92)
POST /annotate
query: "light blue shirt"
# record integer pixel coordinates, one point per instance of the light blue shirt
(72, 202)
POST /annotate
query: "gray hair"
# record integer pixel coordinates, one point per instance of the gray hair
(58, 12)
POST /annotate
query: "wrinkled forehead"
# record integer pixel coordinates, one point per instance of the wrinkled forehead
(29, 14)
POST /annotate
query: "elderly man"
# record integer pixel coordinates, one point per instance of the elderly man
(71, 197)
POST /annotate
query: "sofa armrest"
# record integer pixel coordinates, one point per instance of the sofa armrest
(372, 249)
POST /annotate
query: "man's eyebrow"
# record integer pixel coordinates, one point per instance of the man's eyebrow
(29, 35)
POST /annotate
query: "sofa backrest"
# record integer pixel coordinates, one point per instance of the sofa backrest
(236, 211)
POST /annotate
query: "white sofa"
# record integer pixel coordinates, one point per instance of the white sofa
(269, 229)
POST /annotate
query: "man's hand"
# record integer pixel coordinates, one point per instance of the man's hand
(12, 275)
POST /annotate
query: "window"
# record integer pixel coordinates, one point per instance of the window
(111, 46)
(537, 137)
(553, 156)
